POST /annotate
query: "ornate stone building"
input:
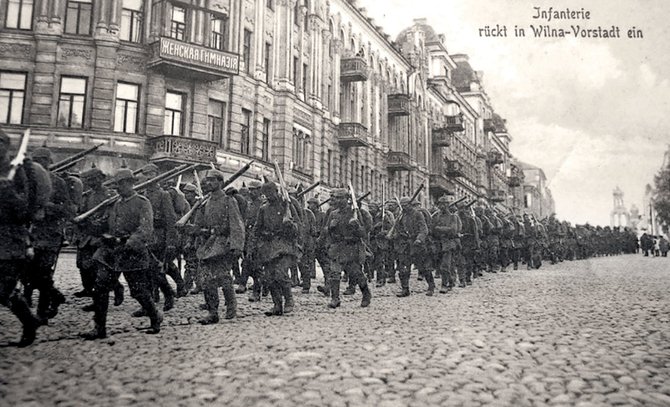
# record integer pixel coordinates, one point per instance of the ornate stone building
(312, 84)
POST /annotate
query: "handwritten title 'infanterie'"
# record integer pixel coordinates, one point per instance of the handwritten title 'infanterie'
(549, 27)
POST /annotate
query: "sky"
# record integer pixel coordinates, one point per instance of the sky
(593, 113)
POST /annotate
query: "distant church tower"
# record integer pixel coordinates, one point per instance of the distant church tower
(619, 212)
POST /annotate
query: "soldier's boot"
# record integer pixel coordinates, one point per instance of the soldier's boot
(230, 301)
(255, 293)
(211, 295)
(334, 294)
(43, 307)
(168, 293)
(56, 300)
(431, 283)
(28, 294)
(351, 287)
(101, 306)
(404, 284)
(367, 295)
(288, 298)
(155, 317)
(276, 294)
(265, 290)
(241, 288)
(118, 294)
(19, 307)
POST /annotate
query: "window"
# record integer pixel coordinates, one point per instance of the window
(125, 111)
(301, 151)
(246, 50)
(305, 69)
(178, 23)
(268, 59)
(12, 96)
(245, 136)
(19, 14)
(215, 120)
(329, 95)
(306, 21)
(131, 21)
(174, 110)
(71, 102)
(78, 17)
(219, 29)
(265, 141)
(268, 4)
(296, 13)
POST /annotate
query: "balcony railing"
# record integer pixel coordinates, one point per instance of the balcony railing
(185, 60)
(353, 69)
(352, 135)
(455, 123)
(489, 125)
(497, 195)
(182, 149)
(398, 104)
(441, 137)
(398, 161)
(455, 169)
(494, 157)
(439, 184)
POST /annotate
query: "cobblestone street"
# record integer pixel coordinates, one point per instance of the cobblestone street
(586, 333)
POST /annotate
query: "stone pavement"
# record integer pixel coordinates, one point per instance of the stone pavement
(587, 333)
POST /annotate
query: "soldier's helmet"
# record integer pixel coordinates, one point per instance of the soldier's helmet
(446, 199)
(313, 200)
(339, 193)
(216, 174)
(123, 174)
(405, 200)
(255, 184)
(188, 187)
(42, 153)
(150, 168)
(92, 173)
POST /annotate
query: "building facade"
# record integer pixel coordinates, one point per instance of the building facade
(314, 85)
(537, 199)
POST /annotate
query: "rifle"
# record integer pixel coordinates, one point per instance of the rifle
(458, 201)
(204, 199)
(309, 189)
(362, 197)
(283, 192)
(198, 187)
(20, 155)
(354, 202)
(66, 167)
(324, 202)
(157, 179)
(59, 166)
(383, 206)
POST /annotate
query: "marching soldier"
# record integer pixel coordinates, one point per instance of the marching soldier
(188, 238)
(519, 240)
(447, 229)
(506, 241)
(88, 236)
(493, 240)
(321, 248)
(250, 267)
(163, 247)
(345, 233)
(470, 244)
(15, 215)
(223, 228)
(380, 244)
(411, 232)
(124, 250)
(275, 235)
(48, 235)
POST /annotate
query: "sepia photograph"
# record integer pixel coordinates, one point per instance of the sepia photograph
(334, 203)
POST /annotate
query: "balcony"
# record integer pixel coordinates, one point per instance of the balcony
(398, 104)
(184, 60)
(514, 181)
(455, 123)
(352, 135)
(181, 149)
(494, 157)
(489, 125)
(353, 69)
(439, 184)
(497, 195)
(441, 137)
(398, 161)
(455, 169)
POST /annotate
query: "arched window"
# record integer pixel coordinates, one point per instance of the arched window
(296, 13)
(306, 23)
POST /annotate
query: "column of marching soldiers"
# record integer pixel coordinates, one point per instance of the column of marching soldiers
(149, 226)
